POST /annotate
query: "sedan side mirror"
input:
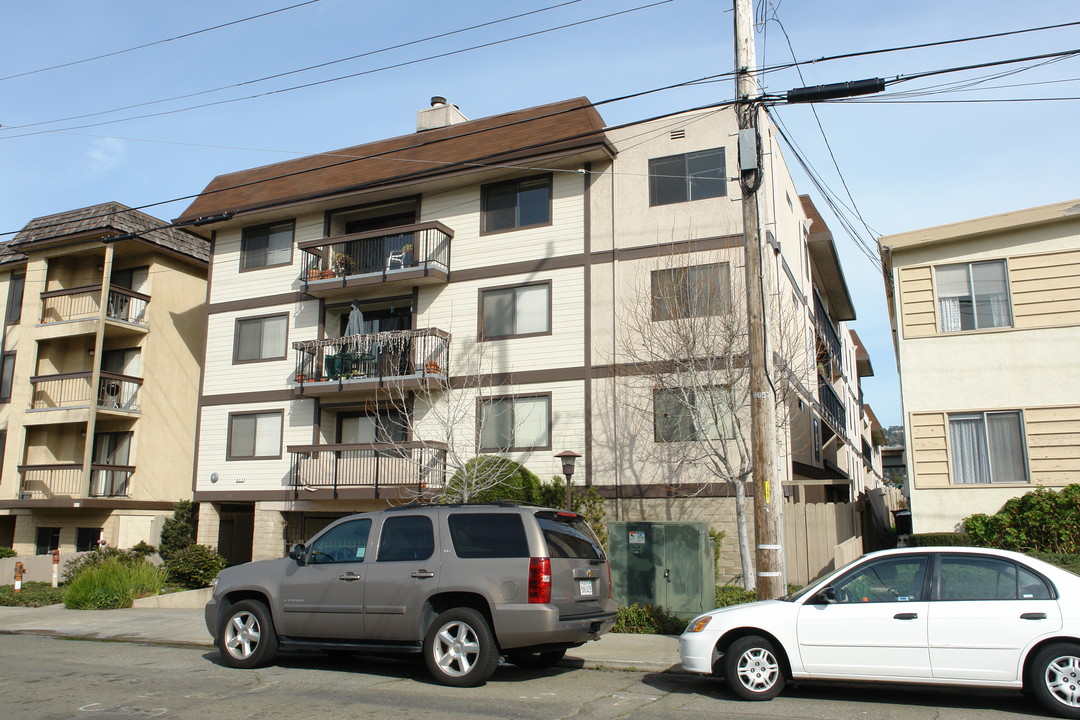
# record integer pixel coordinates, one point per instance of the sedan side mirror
(297, 552)
(825, 597)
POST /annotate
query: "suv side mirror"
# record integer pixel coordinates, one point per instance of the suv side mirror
(297, 552)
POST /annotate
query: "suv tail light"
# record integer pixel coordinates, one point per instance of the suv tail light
(539, 580)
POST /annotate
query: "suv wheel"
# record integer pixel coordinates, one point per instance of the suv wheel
(535, 660)
(459, 648)
(246, 638)
(1055, 679)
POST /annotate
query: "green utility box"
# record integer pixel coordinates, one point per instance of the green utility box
(663, 563)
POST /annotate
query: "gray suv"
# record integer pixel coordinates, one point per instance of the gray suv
(462, 584)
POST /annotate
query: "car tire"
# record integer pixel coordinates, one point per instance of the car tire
(535, 660)
(459, 648)
(752, 669)
(246, 637)
(1055, 679)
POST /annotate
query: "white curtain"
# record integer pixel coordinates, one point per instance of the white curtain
(953, 286)
(1006, 447)
(273, 336)
(532, 310)
(969, 460)
(531, 422)
(268, 435)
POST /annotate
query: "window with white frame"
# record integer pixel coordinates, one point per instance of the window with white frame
(266, 245)
(987, 447)
(684, 414)
(516, 204)
(255, 436)
(973, 296)
(687, 292)
(515, 423)
(260, 338)
(691, 176)
(515, 311)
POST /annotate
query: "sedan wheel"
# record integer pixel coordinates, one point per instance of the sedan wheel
(246, 638)
(752, 669)
(459, 648)
(1056, 679)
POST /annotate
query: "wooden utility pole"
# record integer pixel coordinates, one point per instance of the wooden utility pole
(768, 495)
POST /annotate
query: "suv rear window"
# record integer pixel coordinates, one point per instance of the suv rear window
(569, 537)
(488, 535)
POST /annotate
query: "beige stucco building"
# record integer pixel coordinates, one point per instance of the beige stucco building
(986, 317)
(485, 287)
(102, 344)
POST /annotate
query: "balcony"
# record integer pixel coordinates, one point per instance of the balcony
(110, 480)
(84, 303)
(72, 390)
(832, 408)
(828, 341)
(405, 255)
(418, 466)
(50, 481)
(368, 362)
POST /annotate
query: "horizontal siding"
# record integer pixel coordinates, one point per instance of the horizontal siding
(917, 302)
(256, 475)
(929, 450)
(1045, 289)
(227, 283)
(1053, 437)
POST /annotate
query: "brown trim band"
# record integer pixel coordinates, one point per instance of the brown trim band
(248, 398)
(255, 303)
(388, 492)
(667, 492)
(84, 503)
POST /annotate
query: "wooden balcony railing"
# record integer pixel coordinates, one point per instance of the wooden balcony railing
(85, 303)
(379, 252)
(417, 465)
(42, 482)
(376, 356)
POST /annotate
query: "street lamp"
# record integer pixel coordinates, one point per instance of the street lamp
(568, 457)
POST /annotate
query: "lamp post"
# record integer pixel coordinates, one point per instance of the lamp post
(568, 457)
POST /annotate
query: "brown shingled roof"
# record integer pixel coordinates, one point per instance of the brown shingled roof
(113, 219)
(562, 127)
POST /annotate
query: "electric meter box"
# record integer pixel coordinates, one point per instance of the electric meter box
(670, 564)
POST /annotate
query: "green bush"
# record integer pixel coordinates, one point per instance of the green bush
(97, 557)
(498, 479)
(733, 595)
(6, 552)
(178, 531)
(647, 619)
(143, 549)
(33, 594)
(195, 566)
(113, 584)
(1065, 562)
(1039, 521)
(941, 539)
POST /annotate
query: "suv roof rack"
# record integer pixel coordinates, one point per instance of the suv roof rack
(495, 503)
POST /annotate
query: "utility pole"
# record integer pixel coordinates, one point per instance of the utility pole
(768, 495)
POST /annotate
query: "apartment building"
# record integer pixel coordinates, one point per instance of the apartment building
(380, 313)
(986, 322)
(102, 344)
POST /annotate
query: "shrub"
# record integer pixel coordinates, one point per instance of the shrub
(1065, 562)
(195, 566)
(113, 584)
(33, 594)
(143, 549)
(96, 557)
(647, 619)
(936, 539)
(489, 478)
(6, 552)
(1039, 521)
(178, 531)
(733, 595)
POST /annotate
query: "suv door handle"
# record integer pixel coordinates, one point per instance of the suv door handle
(1033, 616)
(422, 574)
(906, 616)
(349, 577)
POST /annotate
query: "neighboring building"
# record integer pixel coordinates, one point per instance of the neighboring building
(354, 294)
(986, 323)
(102, 344)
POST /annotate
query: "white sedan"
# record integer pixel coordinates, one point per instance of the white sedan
(943, 615)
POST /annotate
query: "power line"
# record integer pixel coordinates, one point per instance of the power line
(351, 75)
(157, 42)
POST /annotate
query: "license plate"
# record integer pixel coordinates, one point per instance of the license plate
(585, 587)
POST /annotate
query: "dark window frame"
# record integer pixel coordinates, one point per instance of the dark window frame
(229, 457)
(487, 292)
(16, 291)
(695, 435)
(246, 236)
(481, 403)
(662, 178)
(236, 360)
(7, 383)
(488, 191)
(684, 283)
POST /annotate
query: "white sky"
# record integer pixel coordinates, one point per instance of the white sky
(907, 165)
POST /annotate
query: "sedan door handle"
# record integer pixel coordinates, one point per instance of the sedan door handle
(349, 577)
(906, 616)
(1033, 616)
(422, 574)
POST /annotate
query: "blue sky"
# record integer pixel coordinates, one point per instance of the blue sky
(907, 165)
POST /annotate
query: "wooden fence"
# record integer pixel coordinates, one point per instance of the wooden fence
(818, 537)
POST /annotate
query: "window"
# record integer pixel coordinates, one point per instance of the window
(890, 580)
(515, 311)
(406, 538)
(685, 414)
(515, 423)
(973, 296)
(47, 540)
(516, 204)
(254, 436)
(261, 338)
(86, 539)
(266, 246)
(488, 535)
(693, 176)
(688, 292)
(16, 286)
(344, 543)
(7, 375)
(987, 448)
(568, 537)
(985, 578)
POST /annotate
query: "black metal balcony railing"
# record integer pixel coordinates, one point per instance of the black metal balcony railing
(115, 392)
(110, 480)
(118, 392)
(416, 465)
(375, 356)
(832, 407)
(827, 334)
(127, 306)
(406, 247)
(85, 303)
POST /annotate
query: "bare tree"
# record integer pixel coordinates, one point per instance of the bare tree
(684, 372)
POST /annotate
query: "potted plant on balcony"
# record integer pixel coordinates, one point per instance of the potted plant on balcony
(341, 263)
(432, 368)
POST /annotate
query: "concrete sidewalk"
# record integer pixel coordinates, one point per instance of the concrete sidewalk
(184, 626)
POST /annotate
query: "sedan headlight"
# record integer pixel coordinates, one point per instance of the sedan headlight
(699, 624)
